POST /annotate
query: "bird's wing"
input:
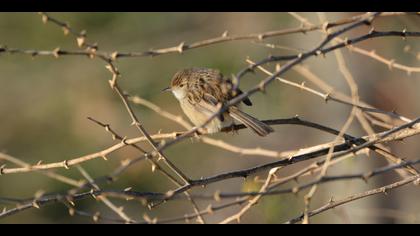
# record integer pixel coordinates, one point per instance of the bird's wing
(229, 85)
(209, 105)
(246, 101)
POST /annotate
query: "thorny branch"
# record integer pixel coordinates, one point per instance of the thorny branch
(344, 145)
(128, 194)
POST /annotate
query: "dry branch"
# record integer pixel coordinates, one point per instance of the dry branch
(343, 146)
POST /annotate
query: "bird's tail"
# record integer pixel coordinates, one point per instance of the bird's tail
(254, 124)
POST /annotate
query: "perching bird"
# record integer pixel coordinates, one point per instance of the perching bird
(200, 90)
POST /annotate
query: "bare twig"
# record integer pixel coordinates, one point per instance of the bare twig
(314, 173)
(333, 203)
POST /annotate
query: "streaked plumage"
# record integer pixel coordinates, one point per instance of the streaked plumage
(199, 90)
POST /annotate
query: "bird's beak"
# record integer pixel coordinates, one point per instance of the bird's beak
(168, 89)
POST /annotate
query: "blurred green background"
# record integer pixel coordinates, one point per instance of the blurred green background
(45, 102)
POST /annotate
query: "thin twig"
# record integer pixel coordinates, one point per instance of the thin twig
(334, 203)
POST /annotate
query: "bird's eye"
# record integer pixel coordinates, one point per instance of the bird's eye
(182, 85)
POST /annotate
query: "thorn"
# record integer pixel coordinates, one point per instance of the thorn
(278, 67)
(295, 190)
(124, 140)
(125, 162)
(331, 200)
(104, 157)
(153, 168)
(66, 165)
(80, 41)
(129, 198)
(112, 84)
(149, 220)
(180, 47)
(71, 211)
(303, 84)
(69, 198)
(92, 55)
(66, 30)
(217, 196)
(307, 199)
(96, 217)
(409, 72)
(36, 205)
(261, 37)
(187, 220)
(235, 81)
(327, 97)
(149, 206)
(162, 142)
(71, 202)
(404, 32)
(302, 28)
(346, 41)
(92, 193)
(114, 55)
(290, 157)
(39, 162)
(109, 67)
(56, 52)
(128, 189)
(366, 176)
(273, 171)
(169, 194)
(93, 48)
(44, 18)
(391, 64)
(2, 169)
(325, 26)
(261, 87)
(209, 209)
(225, 34)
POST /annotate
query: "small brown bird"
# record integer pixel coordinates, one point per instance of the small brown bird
(200, 90)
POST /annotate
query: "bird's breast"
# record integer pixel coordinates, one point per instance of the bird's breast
(199, 117)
